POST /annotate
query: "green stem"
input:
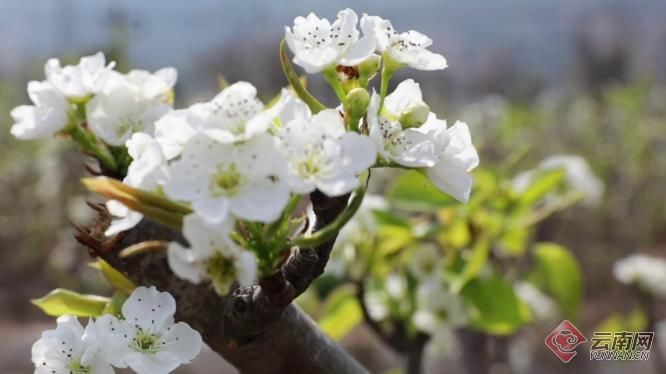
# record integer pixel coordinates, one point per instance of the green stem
(303, 94)
(93, 148)
(329, 232)
(387, 74)
(331, 76)
(277, 226)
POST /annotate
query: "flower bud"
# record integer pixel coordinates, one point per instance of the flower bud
(415, 115)
(357, 102)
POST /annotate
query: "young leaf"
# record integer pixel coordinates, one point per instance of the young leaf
(544, 183)
(474, 264)
(559, 274)
(116, 278)
(60, 301)
(495, 307)
(341, 313)
(413, 191)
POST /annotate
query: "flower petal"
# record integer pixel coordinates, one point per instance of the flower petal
(149, 308)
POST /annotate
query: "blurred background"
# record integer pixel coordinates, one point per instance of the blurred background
(552, 76)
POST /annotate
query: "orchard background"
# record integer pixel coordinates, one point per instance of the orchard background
(532, 79)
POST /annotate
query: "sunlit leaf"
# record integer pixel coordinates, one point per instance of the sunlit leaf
(115, 278)
(413, 191)
(115, 305)
(558, 273)
(544, 183)
(60, 301)
(476, 261)
(495, 308)
(341, 313)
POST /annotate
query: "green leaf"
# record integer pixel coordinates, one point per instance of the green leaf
(545, 182)
(513, 240)
(393, 239)
(413, 191)
(60, 301)
(115, 278)
(478, 258)
(115, 305)
(495, 308)
(341, 313)
(559, 274)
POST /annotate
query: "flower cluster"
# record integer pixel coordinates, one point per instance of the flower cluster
(239, 166)
(146, 340)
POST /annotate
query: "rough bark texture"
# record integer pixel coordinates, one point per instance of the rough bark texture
(256, 328)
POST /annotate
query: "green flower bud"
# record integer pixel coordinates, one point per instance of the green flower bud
(356, 105)
(415, 115)
(358, 100)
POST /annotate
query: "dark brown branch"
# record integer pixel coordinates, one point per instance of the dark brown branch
(256, 328)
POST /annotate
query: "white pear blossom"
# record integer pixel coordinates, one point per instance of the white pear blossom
(147, 339)
(408, 48)
(578, 175)
(234, 115)
(645, 272)
(322, 155)
(317, 44)
(244, 179)
(147, 171)
(47, 116)
(212, 256)
(152, 85)
(437, 307)
(457, 157)
(81, 80)
(122, 109)
(426, 263)
(400, 142)
(64, 351)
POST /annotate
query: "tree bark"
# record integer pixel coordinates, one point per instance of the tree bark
(257, 329)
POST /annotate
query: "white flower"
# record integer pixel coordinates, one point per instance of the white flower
(317, 44)
(408, 48)
(218, 178)
(152, 85)
(457, 157)
(63, 350)
(321, 155)
(646, 272)
(78, 81)
(437, 307)
(212, 255)
(426, 262)
(47, 116)
(122, 109)
(579, 176)
(147, 340)
(234, 115)
(396, 142)
(544, 307)
(147, 171)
